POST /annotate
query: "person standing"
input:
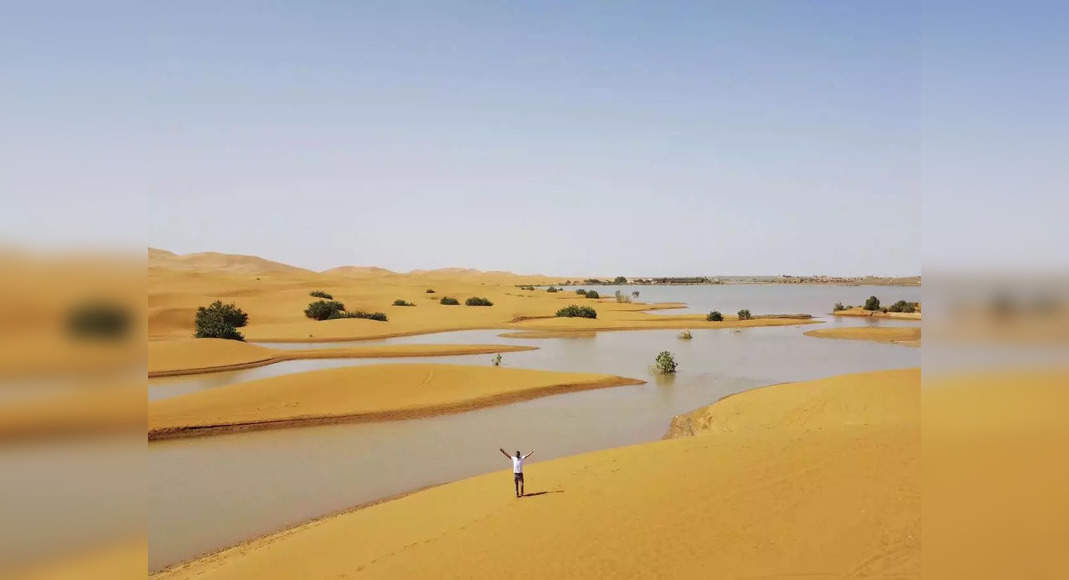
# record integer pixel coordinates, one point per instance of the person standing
(517, 469)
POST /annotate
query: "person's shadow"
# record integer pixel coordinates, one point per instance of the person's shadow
(534, 493)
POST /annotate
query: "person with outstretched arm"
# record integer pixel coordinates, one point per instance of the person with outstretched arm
(517, 469)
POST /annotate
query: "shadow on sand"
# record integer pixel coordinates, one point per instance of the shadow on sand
(534, 493)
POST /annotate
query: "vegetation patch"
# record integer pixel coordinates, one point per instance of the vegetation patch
(592, 294)
(218, 320)
(402, 302)
(872, 303)
(574, 311)
(666, 363)
(478, 301)
(332, 310)
(447, 301)
(745, 314)
(715, 316)
(320, 294)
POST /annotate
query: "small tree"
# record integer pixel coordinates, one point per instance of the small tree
(715, 316)
(744, 314)
(324, 309)
(666, 363)
(592, 294)
(552, 289)
(478, 301)
(320, 294)
(619, 280)
(219, 320)
(838, 306)
(873, 303)
(447, 301)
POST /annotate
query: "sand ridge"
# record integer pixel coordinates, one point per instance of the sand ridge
(904, 335)
(359, 393)
(194, 356)
(818, 478)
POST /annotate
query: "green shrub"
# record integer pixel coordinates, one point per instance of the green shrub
(666, 363)
(581, 292)
(320, 294)
(744, 314)
(401, 302)
(552, 289)
(574, 311)
(219, 320)
(527, 287)
(478, 301)
(619, 280)
(715, 316)
(838, 306)
(448, 301)
(873, 303)
(324, 309)
(592, 294)
(903, 306)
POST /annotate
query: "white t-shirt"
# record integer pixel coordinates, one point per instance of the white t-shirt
(517, 463)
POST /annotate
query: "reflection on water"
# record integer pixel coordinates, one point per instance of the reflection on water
(207, 493)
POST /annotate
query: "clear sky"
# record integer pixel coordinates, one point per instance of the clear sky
(602, 138)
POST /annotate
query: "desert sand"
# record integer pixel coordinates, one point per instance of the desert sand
(275, 296)
(192, 356)
(818, 479)
(904, 335)
(362, 393)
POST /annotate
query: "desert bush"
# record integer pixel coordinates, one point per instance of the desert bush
(380, 316)
(320, 294)
(592, 294)
(903, 306)
(838, 306)
(446, 300)
(552, 289)
(581, 292)
(666, 363)
(574, 311)
(744, 314)
(478, 301)
(430, 291)
(715, 316)
(686, 335)
(218, 320)
(401, 302)
(872, 303)
(324, 309)
(619, 280)
(496, 361)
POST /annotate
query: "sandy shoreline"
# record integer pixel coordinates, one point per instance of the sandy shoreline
(175, 358)
(818, 477)
(354, 394)
(904, 335)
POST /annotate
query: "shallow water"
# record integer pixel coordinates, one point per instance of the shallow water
(207, 493)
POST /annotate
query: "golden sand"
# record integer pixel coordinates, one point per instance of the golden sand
(192, 356)
(816, 479)
(904, 335)
(362, 393)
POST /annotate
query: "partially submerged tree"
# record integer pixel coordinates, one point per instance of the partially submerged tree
(666, 363)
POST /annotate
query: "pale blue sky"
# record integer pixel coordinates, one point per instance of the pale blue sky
(603, 138)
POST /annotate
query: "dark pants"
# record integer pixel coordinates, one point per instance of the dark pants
(517, 479)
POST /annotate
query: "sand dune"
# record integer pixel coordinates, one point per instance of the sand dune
(363, 393)
(192, 356)
(207, 261)
(905, 335)
(817, 479)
